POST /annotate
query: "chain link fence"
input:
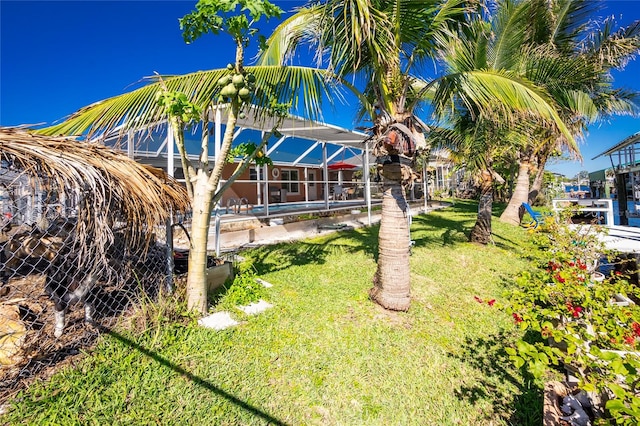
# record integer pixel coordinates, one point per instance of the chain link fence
(57, 288)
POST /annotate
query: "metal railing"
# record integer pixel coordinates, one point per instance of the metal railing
(602, 205)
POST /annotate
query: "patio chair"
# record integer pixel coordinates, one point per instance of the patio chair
(537, 218)
(350, 193)
(338, 192)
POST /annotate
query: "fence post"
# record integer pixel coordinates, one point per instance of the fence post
(169, 245)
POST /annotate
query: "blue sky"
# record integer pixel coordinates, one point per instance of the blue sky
(58, 56)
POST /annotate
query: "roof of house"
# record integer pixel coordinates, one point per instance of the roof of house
(621, 145)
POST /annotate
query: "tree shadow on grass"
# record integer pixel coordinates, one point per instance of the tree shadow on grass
(310, 251)
(195, 379)
(435, 229)
(487, 354)
(455, 226)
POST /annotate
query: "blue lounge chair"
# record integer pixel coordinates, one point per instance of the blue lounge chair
(537, 218)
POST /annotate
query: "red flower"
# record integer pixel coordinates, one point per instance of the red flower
(477, 299)
(491, 302)
(559, 278)
(575, 311)
(629, 340)
(636, 328)
(572, 264)
(517, 318)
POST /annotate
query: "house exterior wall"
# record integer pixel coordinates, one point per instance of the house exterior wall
(288, 178)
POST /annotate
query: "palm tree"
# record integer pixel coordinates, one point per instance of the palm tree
(385, 44)
(573, 64)
(481, 138)
(475, 147)
(381, 41)
(266, 90)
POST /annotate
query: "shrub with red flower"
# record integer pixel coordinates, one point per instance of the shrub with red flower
(571, 318)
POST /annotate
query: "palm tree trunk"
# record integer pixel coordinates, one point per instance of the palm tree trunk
(513, 212)
(197, 277)
(481, 231)
(392, 283)
(536, 187)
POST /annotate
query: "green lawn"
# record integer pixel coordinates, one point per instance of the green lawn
(324, 354)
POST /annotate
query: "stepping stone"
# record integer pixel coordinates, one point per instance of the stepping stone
(218, 321)
(255, 308)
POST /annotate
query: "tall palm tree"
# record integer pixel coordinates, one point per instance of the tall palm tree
(492, 40)
(386, 44)
(475, 146)
(575, 55)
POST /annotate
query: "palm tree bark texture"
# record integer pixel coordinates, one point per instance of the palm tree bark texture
(392, 284)
(481, 231)
(514, 211)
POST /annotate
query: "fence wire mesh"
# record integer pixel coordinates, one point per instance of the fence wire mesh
(55, 294)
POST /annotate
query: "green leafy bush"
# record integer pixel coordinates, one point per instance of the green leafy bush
(244, 290)
(572, 319)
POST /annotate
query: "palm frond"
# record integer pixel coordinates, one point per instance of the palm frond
(418, 24)
(544, 66)
(489, 91)
(613, 48)
(303, 87)
(617, 102)
(288, 35)
(510, 29)
(112, 188)
(570, 20)
(357, 35)
(579, 104)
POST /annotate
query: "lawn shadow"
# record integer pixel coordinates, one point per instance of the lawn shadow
(506, 243)
(195, 379)
(434, 229)
(313, 250)
(487, 354)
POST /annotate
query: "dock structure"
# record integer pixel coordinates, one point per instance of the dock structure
(623, 239)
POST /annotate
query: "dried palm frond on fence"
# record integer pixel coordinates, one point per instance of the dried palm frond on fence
(80, 223)
(112, 187)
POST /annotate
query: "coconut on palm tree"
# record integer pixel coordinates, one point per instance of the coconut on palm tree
(268, 91)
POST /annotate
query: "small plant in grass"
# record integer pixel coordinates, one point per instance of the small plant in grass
(572, 320)
(242, 291)
(152, 315)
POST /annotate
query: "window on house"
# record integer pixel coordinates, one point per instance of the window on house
(254, 173)
(290, 180)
